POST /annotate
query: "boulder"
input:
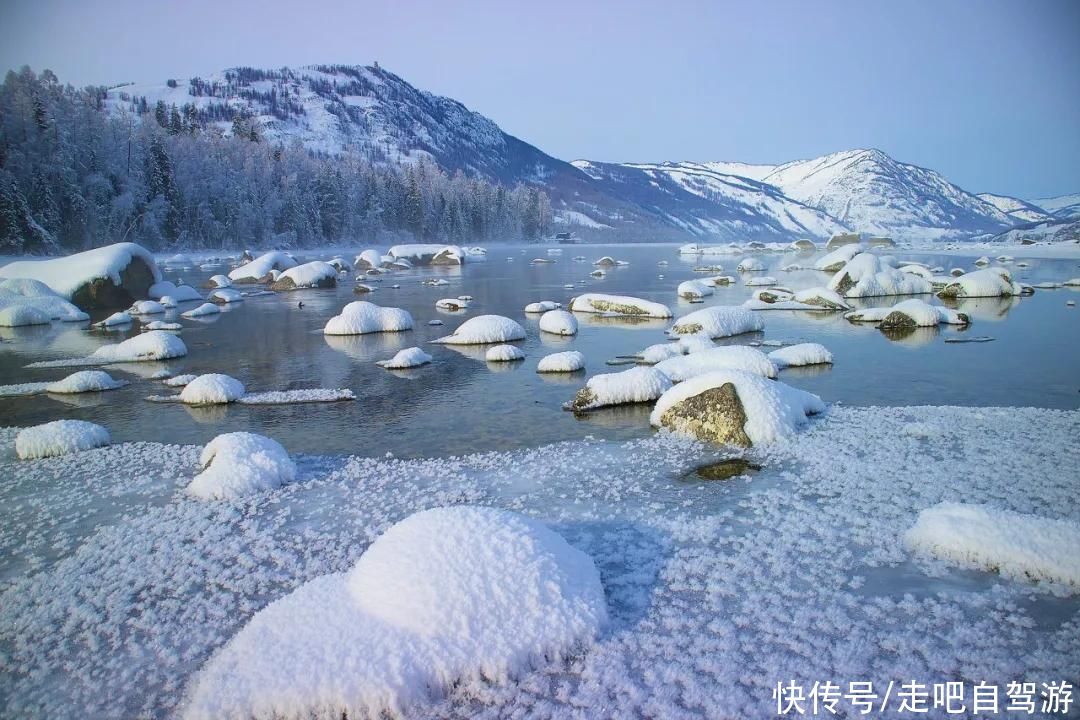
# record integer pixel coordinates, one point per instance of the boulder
(715, 414)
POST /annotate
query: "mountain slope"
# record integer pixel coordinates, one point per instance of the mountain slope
(1020, 211)
(1062, 206)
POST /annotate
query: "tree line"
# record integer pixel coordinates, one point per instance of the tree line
(77, 174)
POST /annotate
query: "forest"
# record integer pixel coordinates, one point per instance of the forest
(74, 175)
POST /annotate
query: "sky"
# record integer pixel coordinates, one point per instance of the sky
(985, 91)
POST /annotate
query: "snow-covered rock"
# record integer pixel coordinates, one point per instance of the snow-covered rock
(445, 596)
(558, 322)
(225, 296)
(504, 353)
(161, 325)
(260, 269)
(717, 322)
(407, 358)
(219, 281)
(114, 275)
(85, 381)
(833, 261)
(240, 464)
(315, 274)
(35, 294)
(867, 275)
(428, 254)
(750, 264)
(561, 362)
(800, 355)
(760, 281)
(117, 319)
(202, 310)
(179, 380)
(451, 304)
(693, 289)
(817, 299)
(59, 437)
(22, 315)
(485, 330)
(992, 282)
(179, 293)
(542, 306)
(153, 345)
(212, 389)
(909, 314)
(361, 317)
(738, 357)
(639, 384)
(618, 305)
(368, 259)
(1020, 546)
(736, 407)
(146, 307)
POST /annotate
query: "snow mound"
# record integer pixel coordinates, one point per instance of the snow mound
(801, 354)
(361, 317)
(913, 313)
(683, 346)
(773, 409)
(259, 268)
(504, 353)
(639, 384)
(367, 259)
(992, 282)
(162, 325)
(570, 361)
(153, 345)
(407, 358)
(212, 389)
(22, 315)
(202, 311)
(308, 275)
(239, 464)
(59, 437)
(542, 307)
(65, 275)
(817, 299)
(762, 281)
(733, 357)
(225, 296)
(1019, 546)
(867, 275)
(85, 381)
(220, 281)
(444, 596)
(485, 330)
(692, 289)
(717, 322)
(115, 320)
(146, 307)
(179, 293)
(27, 292)
(452, 304)
(559, 322)
(179, 380)
(618, 305)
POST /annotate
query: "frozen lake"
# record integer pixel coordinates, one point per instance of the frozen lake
(460, 403)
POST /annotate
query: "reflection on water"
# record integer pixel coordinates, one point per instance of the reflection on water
(911, 336)
(461, 403)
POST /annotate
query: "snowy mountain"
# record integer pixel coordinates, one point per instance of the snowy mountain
(1020, 211)
(1062, 206)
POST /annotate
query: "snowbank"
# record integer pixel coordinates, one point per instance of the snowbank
(618, 305)
(762, 410)
(562, 362)
(258, 270)
(1019, 546)
(212, 389)
(800, 355)
(407, 358)
(112, 275)
(692, 289)
(504, 353)
(734, 357)
(558, 322)
(239, 464)
(639, 384)
(59, 437)
(361, 317)
(451, 304)
(316, 274)
(484, 330)
(220, 281)
(717, 322)
(444, 596)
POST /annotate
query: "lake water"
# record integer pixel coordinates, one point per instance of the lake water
(460, 403)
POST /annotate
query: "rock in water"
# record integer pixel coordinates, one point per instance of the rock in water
(716, 414)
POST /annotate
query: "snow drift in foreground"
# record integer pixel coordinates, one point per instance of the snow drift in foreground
(361, 317)
(1019, 546)
(239, 464)
(484, 330)
(444, 596)
(152, 345)
(65, 275)
(59, 437)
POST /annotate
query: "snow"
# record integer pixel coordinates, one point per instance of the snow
(992, 282)
(202, 310)
(261, 266)
(558, 322)
(694, 289)
(504, 353)
(292, 397)
(484, 330)
(22, 315)
(923, 313)
(750, 264)
(361, 317)
(569, 361)
(18, 293)
(874, 277)
(225, 296)
(65, 275)
(737, 357)
(542, 306)
(368, 259)
(833, 261)
(618, 305)
(698, 249)
(240, 464)
(146, 307)
(451, 304)
(761, 281)
(59, 437)
(773, 409)
(85, 381)
(407, 358)
(717, 322)
(220, 281)
(161, 325)
(1019, 546)
(115, 320)
(800, 355)
(444, 596)
(816, 299)
(153, 345)
(309, 274)
(212, 389)
(421, 253)
(179, 293)
(639, 384)
(573, 217)
(1073, 282)
(179, 380)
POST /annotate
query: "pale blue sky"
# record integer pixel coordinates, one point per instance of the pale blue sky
(987, 92)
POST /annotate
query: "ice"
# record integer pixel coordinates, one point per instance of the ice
(239, 464)
(59, 437)
(259, 268)
(569, 361)
(407, 358)
(1017, 545)
(309, 275)
(801, 354)
(639, 384)
(773, 409)
(992, 282)
(85, 381)
(694, 289)
(920, 312)
(146, 307)
(504, 353)
(736, 357)
(558, 322)
(717, 322)
(618, 305)
(202, 311)
(443, 597)
(153, 345)
(361, 317)
(225, 296)
(542, 306)
(65, 275)
(212, 389)
(484, 330)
